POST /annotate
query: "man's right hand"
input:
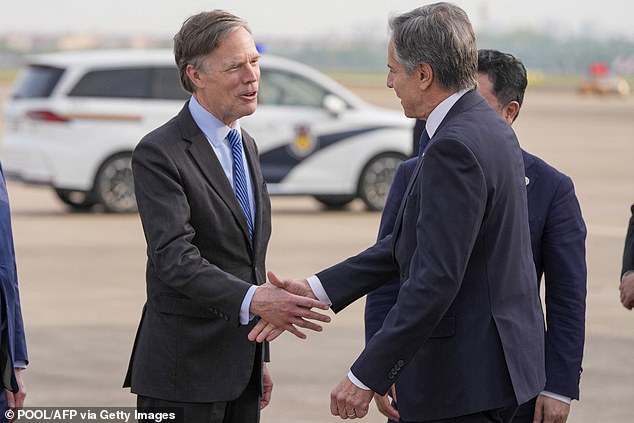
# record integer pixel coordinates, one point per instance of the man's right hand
(285, 304)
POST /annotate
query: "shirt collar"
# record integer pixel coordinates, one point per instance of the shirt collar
(215, 130)
(438, 114)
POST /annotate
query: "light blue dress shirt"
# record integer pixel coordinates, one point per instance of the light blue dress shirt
(216, 133)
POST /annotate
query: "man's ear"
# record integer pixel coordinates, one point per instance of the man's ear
(194, 75)
(510, 111)
(425, 74)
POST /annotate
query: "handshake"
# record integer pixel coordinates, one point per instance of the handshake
(285, 304)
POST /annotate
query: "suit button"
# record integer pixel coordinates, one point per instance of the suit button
(390, 376)
(400, 363)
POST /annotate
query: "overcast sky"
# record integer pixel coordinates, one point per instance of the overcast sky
(299, 18)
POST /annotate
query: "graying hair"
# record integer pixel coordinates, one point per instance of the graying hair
(200, 35)
(440, 35)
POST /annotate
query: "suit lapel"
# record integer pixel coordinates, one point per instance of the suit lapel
(410, 186)
(204, 156)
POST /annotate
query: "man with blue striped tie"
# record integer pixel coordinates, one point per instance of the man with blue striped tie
(206, 217)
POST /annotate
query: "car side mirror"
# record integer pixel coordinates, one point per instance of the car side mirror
(334, 105)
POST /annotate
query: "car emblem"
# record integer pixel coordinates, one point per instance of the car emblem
(304, 143)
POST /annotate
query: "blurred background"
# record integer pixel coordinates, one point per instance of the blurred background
(82, 274)
(556, 40)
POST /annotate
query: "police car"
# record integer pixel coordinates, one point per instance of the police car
(73, 120)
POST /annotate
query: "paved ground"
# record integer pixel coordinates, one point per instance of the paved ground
(82, 279)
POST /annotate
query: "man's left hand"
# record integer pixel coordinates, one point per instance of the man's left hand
(550, 410)
(348, 401)
(16, 400)
(384, 406)
(267, 387)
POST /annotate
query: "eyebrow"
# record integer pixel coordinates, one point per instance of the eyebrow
(238, 63)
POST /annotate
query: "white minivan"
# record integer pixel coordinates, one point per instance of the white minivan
(73, 119)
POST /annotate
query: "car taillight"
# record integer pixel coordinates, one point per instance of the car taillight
(45, 115)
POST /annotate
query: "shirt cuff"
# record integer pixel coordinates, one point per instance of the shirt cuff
(245, 314)
(318, 289)
(356, 381)
(19, 364)
(558, 397)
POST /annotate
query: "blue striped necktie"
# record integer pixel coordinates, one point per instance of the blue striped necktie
(239, 177)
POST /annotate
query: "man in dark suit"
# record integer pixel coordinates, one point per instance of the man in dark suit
(464, 341)
(627, 272)
(13, 354)
(558, 237)
(207, 221)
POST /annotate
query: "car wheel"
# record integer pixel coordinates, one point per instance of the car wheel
(77, 200)
(334, 202)
(114, 185)
(376, 178)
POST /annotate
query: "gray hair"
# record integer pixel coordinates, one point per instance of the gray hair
(200, 35)
(440, 35)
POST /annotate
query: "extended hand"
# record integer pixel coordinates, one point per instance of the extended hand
(550, 410)
(627, 290)
(385, 407)
(294, 286)
(348, 401)
(282, 310)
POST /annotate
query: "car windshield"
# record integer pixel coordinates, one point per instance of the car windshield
(37, 81)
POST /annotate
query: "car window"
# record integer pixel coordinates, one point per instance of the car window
(37, 81)
(166, 84)
(288, 89)
(118, 83)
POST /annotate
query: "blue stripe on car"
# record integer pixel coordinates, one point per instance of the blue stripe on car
(277, 163)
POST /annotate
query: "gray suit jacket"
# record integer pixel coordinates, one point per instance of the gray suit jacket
(466, 333)
(190, 346)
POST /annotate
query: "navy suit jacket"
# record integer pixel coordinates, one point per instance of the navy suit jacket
(558, 235)
(466, 333)
(628, 251)
(13, 338)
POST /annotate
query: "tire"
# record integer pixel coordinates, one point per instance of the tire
(376, 178)
(334, 202)
(77, 200)
(114, 185)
